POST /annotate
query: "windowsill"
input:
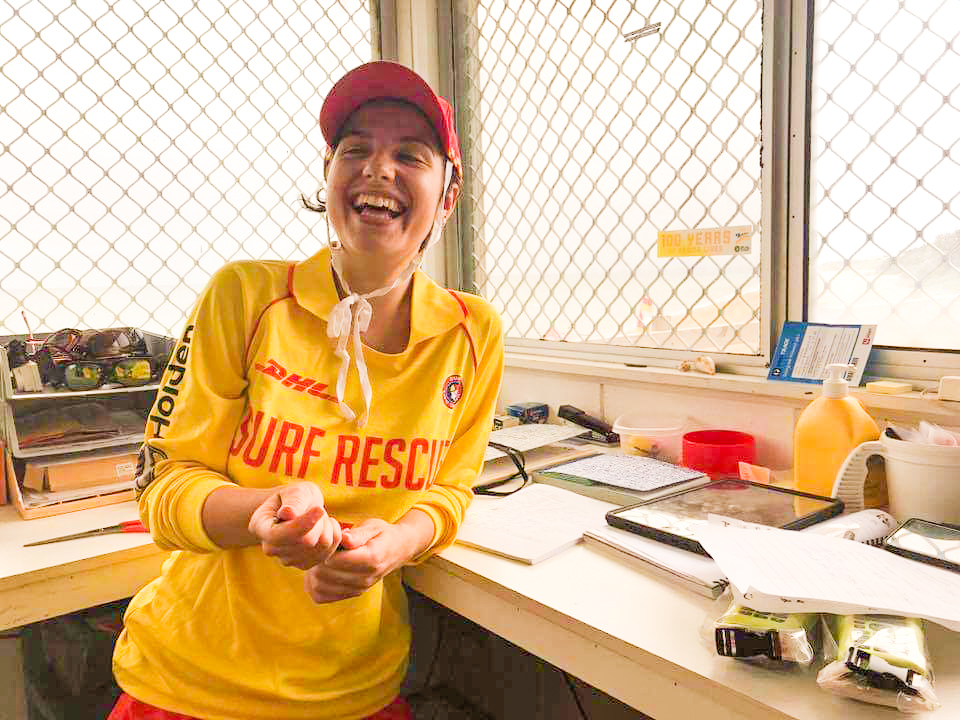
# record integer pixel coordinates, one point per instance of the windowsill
(723, 382)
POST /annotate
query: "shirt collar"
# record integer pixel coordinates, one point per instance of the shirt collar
(435, 309)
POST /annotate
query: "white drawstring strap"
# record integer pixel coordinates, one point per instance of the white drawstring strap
(351, 316)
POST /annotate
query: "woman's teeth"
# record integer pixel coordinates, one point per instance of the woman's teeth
(378, 203)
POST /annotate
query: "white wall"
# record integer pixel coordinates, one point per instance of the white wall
(757, 407)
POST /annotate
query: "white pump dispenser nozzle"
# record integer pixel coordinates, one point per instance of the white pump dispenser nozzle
(835, 385)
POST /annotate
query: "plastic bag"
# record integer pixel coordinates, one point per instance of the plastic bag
(880, 659)
(927, 433)
(742, 632)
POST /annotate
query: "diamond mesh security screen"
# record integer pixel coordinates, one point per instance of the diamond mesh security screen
(586, 132)
(886, 198)
(147, 143)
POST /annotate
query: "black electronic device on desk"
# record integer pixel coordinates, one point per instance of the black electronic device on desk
(927, 542)
(674, 518)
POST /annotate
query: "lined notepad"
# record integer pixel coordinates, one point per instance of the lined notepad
(532, 524)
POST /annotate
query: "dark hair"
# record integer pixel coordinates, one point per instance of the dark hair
(317, 203)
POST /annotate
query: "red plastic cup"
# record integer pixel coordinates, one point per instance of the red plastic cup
(718, 452)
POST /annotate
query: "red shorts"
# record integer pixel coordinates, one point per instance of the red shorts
(128, 708)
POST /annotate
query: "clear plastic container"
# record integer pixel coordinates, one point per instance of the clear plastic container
(656, 437)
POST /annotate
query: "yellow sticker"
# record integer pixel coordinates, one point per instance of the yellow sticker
(704, 241)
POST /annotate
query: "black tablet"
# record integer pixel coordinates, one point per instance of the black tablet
(929, 542)
(673, 519)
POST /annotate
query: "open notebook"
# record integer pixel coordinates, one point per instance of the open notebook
(530, 525)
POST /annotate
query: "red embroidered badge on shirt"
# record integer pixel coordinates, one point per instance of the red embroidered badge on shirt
(452, 390)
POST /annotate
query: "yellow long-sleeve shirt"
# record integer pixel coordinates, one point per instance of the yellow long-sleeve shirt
(247, 398)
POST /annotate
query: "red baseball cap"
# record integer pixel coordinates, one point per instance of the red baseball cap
(382, 80)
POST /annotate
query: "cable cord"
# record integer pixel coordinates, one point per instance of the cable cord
(517, 457)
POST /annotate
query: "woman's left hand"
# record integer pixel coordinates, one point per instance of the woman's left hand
(370, 550)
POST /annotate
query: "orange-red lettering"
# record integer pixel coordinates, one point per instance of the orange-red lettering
(435, 470)
(433, 459)
(301, 383)
(385, 480)
(318, 390)
(308, 451)
(368, 461)
(421, 445)
(345, 459)
(273, 369)
(242, 433)
(286, 448)
(264, 444)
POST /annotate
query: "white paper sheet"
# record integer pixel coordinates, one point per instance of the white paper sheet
(532, 524)
(807, 572)
(527, 437)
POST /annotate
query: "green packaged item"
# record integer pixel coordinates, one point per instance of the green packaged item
(881, 659)
(742, 632)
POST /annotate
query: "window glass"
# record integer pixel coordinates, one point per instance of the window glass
(588, 128)
(149, 143)
(885, 195)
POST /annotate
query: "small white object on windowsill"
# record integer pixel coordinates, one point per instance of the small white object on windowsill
(703, 364)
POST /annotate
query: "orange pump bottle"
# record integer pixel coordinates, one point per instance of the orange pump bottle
(827, 430)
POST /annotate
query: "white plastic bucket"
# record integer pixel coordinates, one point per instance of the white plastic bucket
(923, 481)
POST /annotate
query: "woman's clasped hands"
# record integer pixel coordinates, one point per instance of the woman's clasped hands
(294, 527)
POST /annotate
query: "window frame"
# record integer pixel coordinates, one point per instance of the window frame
(774, 121)
(924, 365)
(788, 34)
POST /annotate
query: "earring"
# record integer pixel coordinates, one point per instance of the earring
(332, 240)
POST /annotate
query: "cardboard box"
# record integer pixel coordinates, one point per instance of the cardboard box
(73, 471)
(91, 499)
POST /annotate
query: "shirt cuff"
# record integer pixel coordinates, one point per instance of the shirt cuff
(190, 514)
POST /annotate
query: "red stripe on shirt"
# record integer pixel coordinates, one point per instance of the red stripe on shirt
(456, 297)
(256, 325)
(473, 346)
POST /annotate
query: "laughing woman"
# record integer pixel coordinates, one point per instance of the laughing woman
(319, 426)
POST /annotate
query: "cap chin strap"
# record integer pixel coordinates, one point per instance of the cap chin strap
(351, 316)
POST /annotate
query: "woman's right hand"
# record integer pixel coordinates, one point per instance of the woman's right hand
(293, 526)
